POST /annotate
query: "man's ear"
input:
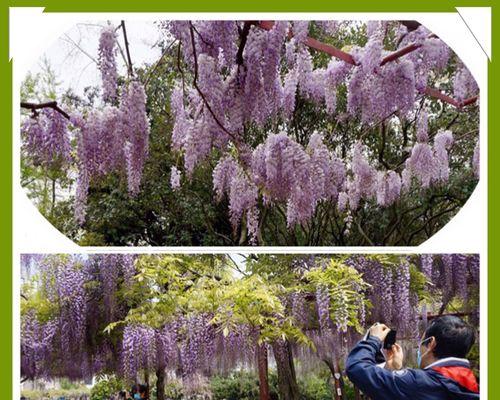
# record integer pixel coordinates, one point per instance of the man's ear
(432, 343)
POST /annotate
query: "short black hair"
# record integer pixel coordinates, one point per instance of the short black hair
(454, 337)
(143, 389)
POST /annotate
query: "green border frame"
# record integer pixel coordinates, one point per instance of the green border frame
(238, 6)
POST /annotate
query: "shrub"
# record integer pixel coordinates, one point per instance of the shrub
(237, 386)
(105, 388)
(314, 387)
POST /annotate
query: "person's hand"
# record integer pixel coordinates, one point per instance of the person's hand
(394, 357)
(380, 331)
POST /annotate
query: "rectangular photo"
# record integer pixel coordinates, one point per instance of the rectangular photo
(249, 326)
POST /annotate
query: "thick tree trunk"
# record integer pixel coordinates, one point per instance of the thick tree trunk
(338, 380)
(262, 364)
(160, 384)
(287, 380)
(146, 379)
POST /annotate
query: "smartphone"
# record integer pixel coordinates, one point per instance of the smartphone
(390, 339)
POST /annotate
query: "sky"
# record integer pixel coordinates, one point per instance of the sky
(28, 270)
(73, 55)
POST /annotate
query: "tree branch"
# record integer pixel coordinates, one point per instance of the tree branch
(158, 63)
(365, 236)
(411, 25)
(441, 314)
(400, 53)
(434, 217)
(130, 69)
(195, 84)
(243, 40)
(348, 58)
(382, 147)
(50, 104)
(68, 38)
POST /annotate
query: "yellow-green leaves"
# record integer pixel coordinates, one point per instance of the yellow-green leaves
(345, 286)
(167, 286)
(255, 302)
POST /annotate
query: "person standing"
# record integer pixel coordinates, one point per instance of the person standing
(443, 371)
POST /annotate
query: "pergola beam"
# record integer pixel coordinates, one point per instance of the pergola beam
(348, 58)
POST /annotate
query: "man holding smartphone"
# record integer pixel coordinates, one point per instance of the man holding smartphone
(443, 371)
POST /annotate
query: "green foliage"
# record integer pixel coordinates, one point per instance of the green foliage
(173, 391)
(72, 393)
(244, 385)
(418, 283)
(349, 392)
(315, 387)
(237, 386)
(66, 384)
(167, 285)
(345, 286)
(35, 301)
(253, 301)
(105, 388)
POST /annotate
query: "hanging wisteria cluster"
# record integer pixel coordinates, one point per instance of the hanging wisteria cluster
(46, 138)
(41, 341)
(114, 139)
(453, 275)
(107, 63)
(258, 83)
(189, 345)
(83, 299)
(36, 346)
(111, 138)
(464, 84)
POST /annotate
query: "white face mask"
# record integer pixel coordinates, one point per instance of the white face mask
(419, 353)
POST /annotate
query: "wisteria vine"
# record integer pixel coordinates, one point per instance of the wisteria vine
(238, 76)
